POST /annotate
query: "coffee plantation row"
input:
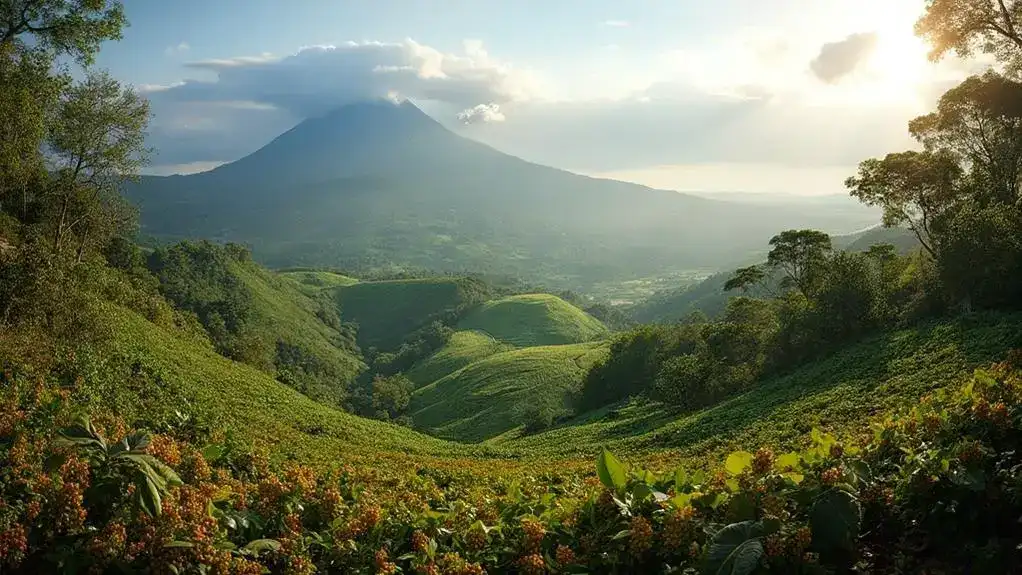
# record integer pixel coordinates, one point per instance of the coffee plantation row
(935, 489)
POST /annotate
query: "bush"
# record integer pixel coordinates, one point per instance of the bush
(935, 488)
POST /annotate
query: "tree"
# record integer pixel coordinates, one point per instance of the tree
(745, 278)
(28, 97)
(980, 123)
(95, 143)
(968, 26)
(799, 254)
(74, 28)
(913, 188)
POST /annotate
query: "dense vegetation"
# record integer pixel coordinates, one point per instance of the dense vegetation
(159, 413)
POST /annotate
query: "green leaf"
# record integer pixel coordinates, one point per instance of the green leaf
(611, 471)
(734, 550)
(738, 462)
(834, 520)
(861, 470)
(681, 500)
(641, 492)
(259, 546)
(795, 478)
(623, 534)
(179, 545)
(213, 452)
(680, 479)
(149, 496)
(787, 461)
(698, 478)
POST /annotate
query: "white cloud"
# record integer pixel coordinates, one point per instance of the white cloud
(837, 60)
(483, 113)
(617, 23)
(319, 78)
(178, 49)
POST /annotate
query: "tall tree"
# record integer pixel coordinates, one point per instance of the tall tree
(980, 122)
(965, 27)
(744, 278)
(913, 188)
(74, 28)
(96, 141)
(799, 254)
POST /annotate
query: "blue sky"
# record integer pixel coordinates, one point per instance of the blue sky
(730, 95)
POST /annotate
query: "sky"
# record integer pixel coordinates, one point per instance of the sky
(785, 96)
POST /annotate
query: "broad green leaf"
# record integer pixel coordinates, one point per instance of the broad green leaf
(680, 479)
(738, 462)
(621, 535)
(795, 478)
(149, 496)
(834, 520)
(734, 550)
(262, 545)
(861, 470)
(787, 461)
(179, 545)
(698, 477)
(213, 452)
(641, 492)
(611, 471)
(681, 500)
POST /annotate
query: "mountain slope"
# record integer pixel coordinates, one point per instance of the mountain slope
(489, 397)
(840, 392)
(387, 311)
(464, 348)
(249, 402)
(375, 185)
(532, 320)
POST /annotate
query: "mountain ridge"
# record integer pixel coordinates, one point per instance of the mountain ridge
(373, 185)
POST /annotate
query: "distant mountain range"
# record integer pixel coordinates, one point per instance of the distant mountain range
(382, 185)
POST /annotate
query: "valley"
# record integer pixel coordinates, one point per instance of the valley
(377, 345)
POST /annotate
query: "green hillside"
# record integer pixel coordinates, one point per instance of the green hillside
(241, 400)
(839, 392)
(288, 312)
(387, 311)
(488, 397)
(319, 279)
(534, 319)
(463, 348)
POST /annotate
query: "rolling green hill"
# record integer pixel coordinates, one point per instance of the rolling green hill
(840, 393)
(259, 317)
(463, 348)
(532, 320)
(244, 401)
(387, 311)
(487, 398)
(290, 314)
(317, 279)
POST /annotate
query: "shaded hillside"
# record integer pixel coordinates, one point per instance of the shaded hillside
(373, 185)
(839, 393)
(260, 318)
(533, 320)
(387, 311)
(463, 348)
(504, 391)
